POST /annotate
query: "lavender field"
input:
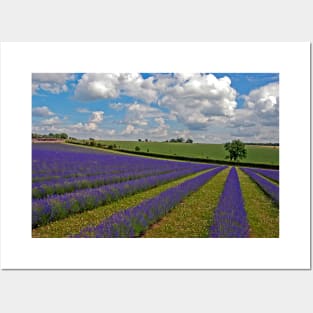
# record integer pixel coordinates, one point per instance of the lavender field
(85, 192)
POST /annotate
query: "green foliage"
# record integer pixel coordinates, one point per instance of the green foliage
(51, 135)
(137, 148)
(258, 155)
(236, 150)
(189, 140)
(177, 140)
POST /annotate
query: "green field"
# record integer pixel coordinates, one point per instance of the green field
(256, 154)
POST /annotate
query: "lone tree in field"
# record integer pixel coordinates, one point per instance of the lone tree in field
(236, 150)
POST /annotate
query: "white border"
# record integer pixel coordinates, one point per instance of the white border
(290, 251)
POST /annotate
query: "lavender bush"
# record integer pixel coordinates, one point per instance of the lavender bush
(230, 218)
(61, 186)
(57, 161)
(272, 174)
(56, 207)
(134, 221)
(271, 189)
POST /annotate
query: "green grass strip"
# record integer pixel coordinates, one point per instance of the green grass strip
(262, 212)
(193, 216)
(74, 223)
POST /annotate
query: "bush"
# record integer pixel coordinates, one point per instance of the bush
(137, 148)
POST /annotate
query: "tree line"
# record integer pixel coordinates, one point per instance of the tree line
(180, 139)
(50, 135)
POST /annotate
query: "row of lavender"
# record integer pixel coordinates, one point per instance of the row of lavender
(230, 217)
(57, 161)
(65, 185)
(272, 174)
(270, 188)
(57, 207)
(133, 221)
(229, 221)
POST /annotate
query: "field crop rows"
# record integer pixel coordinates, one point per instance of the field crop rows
(69, 182)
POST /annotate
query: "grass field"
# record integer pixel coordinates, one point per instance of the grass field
(256, 154)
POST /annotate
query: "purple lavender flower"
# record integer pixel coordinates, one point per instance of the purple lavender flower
(272, 174)
(59, 206)
(271, 189)
(65, 185)
(230, 218)
(133, 221)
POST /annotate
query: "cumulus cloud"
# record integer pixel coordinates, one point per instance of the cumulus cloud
(264, 102)
(140, 114)
(191, 98)
(130, 130)
(258, 120)
(196, 98)
(43, 111)
(117, 106)
(242, 131)
(92, 124)
(201, 106)
(96, 117)
(51, 82)
(84, 126)
(93, 86)
(111, 132)
(97, 86)
(51, 121)
(161, 130)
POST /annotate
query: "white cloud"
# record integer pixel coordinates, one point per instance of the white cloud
(84, 126)
(92, 125)
(191, 98)
(264, 102)
(96, 117)
(161, 130)
(140, 114)
(111, 132)
(51, 82)
(97, 86)
(196, 98)
(83, 110)
(112, 85)
(117, 106)
(258, 120)
(51, 121)
(243, 132)
(43, 111)
(130, 130)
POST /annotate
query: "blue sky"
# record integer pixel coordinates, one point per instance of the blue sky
(207, 107)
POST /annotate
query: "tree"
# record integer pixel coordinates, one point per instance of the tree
(137, 148)
(139, 140)
(189, 140)
(236, 150)
(63, 135)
